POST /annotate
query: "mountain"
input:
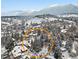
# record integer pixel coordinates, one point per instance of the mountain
(11, 13)
(55, 10)
(58, 10)
(16, 13)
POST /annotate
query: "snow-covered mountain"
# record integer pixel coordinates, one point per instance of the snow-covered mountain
(58, 10)
(55, 10)
(16, 13)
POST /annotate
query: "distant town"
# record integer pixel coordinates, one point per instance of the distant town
(63, 30)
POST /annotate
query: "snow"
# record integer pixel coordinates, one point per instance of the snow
(64, 30)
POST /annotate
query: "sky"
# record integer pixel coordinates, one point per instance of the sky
(15, 5)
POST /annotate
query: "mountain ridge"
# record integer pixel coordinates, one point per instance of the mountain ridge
(56, 10)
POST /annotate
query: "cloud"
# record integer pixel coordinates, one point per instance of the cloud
(53, 5)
